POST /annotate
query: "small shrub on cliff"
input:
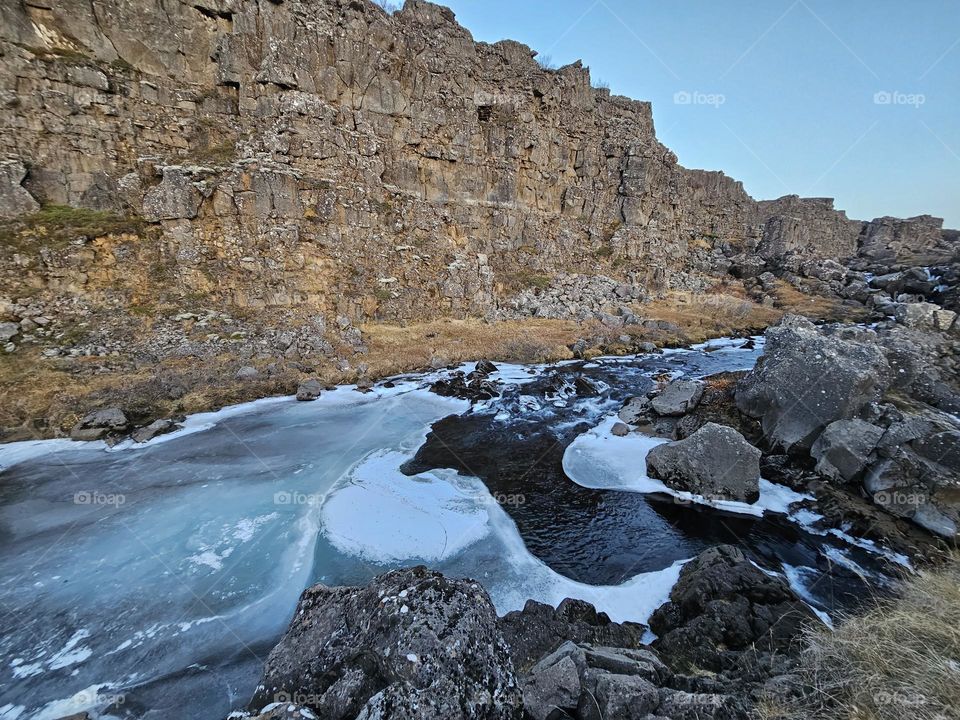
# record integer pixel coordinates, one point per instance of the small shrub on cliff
(900, 660)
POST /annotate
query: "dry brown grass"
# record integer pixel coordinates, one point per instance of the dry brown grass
(705, 315)
(791, 300)
(43, 398)
(898, 661)
(395, 348)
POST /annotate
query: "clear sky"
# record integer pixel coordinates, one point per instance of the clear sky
(853, 99)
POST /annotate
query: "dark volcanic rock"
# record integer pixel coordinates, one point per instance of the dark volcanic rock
(539, 629)
(100, 424)
(715, 461)
(412, 643)
(806, 380)
(723, 604)
(460, 386)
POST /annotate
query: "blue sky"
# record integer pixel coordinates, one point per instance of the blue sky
(853, 99)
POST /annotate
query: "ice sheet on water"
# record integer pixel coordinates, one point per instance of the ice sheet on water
(600, 460)
(17, 452)
(380, 514)
(453, 521)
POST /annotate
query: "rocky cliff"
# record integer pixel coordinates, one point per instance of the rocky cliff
(325, 153)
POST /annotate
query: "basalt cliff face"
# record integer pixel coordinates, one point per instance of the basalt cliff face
(329, 154)
(259, 178)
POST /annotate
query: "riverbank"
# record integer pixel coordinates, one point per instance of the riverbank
(174, 363)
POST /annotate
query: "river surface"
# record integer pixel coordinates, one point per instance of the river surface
(150, 581)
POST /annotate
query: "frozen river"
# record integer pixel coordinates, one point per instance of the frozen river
(151, 581)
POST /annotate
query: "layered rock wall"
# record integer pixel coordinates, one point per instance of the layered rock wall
(326, 154)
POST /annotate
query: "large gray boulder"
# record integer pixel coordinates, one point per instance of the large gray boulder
(925, 316)
(410, 644)
(920, 482)
(678, 398)
(845, 448)
(808, 379)
(716, 461)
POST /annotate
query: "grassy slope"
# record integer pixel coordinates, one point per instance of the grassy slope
(899, 661)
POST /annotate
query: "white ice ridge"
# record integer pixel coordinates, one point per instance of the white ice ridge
(600, 460)
(454, 523)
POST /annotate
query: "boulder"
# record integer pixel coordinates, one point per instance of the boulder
(678, 398)
(808, 379)
(309, 390)
(917, 482)
(8, 331)
(845, 448)
(589, 682)
(247, 372)
(722, 605)
(460, 386)
(620, 429)
(539, 629)
(925, 316)
(157, 427)
(485, 367)
(14, 198)
(635, 411)
(716, 461)
(412, 643)
(100, 424)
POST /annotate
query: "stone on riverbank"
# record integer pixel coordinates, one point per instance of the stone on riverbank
(807, 380)
(716, 461)
(100, 424)
(678, 398)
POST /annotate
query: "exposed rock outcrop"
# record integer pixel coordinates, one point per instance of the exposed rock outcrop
(411, 644)
(806, 380)
(311, 154)
(415, 644)
(723, 604)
